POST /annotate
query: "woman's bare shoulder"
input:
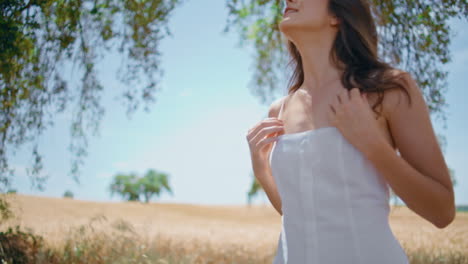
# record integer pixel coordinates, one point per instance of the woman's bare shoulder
(393, 97)
(275, 107)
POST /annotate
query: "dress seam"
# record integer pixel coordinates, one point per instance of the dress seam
(314, 220)
(350, 213)
(301, 174)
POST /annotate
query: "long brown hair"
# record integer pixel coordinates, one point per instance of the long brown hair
(355, 52)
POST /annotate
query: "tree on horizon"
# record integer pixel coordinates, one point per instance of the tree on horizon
(131, 187)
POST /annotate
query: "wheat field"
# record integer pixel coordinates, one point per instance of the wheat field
(189, 233)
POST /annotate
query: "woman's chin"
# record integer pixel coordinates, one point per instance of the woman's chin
(287, 28)
(285, 24)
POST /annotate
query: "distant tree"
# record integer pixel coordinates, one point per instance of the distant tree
(127, 186)
(452, 176)
(255, 187)
(153, 183)
(68, 194)
(131, 187)
(13, 191)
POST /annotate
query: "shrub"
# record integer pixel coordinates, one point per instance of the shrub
(68, 194)
(19, 247)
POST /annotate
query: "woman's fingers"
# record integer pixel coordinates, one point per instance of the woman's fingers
(264, 123)
(265, 131)
(266, 141)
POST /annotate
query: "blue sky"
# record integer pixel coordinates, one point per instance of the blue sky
(196, 130)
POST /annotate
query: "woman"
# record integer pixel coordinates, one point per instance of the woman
(326, 157)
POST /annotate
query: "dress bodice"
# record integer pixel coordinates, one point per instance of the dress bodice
(335, 203)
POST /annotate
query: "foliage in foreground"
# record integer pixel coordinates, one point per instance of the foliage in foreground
(122, 244)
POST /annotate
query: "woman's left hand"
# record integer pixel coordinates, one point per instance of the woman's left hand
(351, 114)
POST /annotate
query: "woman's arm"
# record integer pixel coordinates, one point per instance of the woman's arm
(265, 179)
(420, 177)
(262, 169)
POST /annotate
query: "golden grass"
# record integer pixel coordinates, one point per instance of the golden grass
(186, 233)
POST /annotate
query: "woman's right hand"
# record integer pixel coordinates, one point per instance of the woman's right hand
(261, 136)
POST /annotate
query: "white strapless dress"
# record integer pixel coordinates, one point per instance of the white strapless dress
(335, 204)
